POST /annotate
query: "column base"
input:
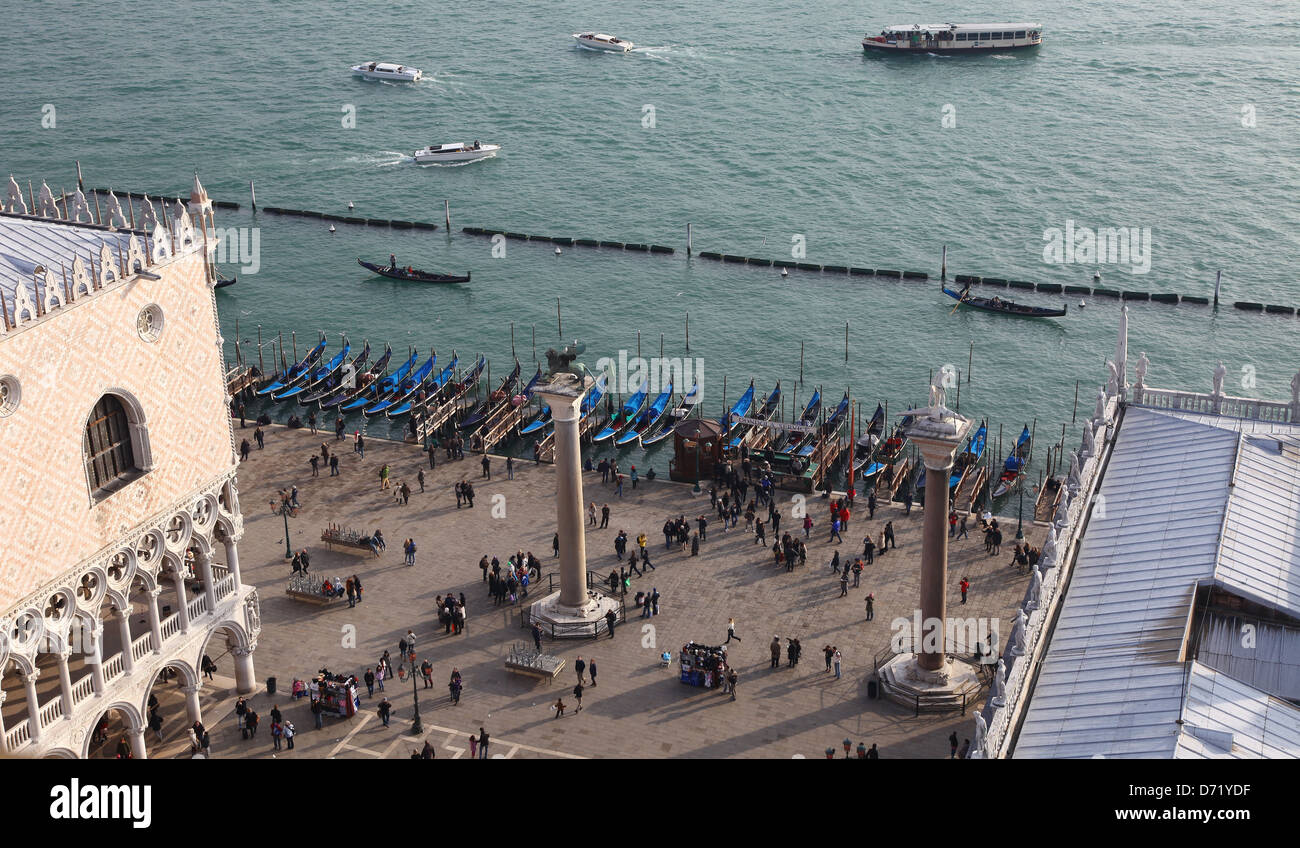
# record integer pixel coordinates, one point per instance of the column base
(909, 685)
(563, 621)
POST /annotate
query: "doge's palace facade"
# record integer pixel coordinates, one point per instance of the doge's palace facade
(119, 508)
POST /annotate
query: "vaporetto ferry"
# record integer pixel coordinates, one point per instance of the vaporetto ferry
(954, 38)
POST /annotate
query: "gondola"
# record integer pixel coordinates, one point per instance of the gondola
(828, 427)
(669, 422)
(647, 419)
(317, 374)
(543, 416)
(404, 390)
(969, 457)
(892, 449)
(362, 382)
(1006, 307)
(411, 274)
(866, 460)
(739, 409)
(771, 404)
(481, 412)
(294, 374)
(424, 393)
(1014, 468)
(342, 377)
(810, 412)
(625, 416)
(223, 281)
(381, 387)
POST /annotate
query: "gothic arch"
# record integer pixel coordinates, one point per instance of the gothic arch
(131, 717)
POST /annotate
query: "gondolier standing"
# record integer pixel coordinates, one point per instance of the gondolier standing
(392, 263)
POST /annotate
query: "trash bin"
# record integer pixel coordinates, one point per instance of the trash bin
(871, 689)
(270, 686)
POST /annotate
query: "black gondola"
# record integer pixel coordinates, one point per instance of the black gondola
(223, 281)
(412, 274)
(1007, 307)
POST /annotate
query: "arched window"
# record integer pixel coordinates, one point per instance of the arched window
(108, 447)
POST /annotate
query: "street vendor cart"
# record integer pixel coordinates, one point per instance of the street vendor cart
(703, 665)
(337, 693)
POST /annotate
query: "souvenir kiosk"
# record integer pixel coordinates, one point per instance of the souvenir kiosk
(336, 692)
(702, 665)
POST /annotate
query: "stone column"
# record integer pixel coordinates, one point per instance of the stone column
(232, 561)
(565, 405)
(244, 682)
(155, 620)
(65, 682)
(138, 751)
(184, 599)
(192, 708)
(97, 657)
(209, 586)
(938, 461)
(33, 706)
(124, 629)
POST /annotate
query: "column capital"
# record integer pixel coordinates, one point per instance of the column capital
(154, 592)
(30, 676)
(191, 688)
(241, 652)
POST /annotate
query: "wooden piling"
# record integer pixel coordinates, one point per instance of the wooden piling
(688, 332)
(943, 265)
(689, 246)
(252, 190)
(846, 341)
(260, 365)
(801, 363)
(81, 186)
(1075, 416)
(970, 360)
(559, 322)
(513, 355)
(446, 213)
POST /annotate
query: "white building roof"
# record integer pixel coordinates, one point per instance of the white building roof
(26, 243)
(1225, 718)
(1111, 682)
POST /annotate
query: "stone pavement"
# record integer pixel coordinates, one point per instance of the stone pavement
(638, 708)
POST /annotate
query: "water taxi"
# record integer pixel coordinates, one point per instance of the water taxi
(458, 152)
(954, 38)
(388, 71)
(601, 41)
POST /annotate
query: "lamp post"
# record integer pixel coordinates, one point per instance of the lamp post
(417, 728)
(284, 511)
(1020, 513)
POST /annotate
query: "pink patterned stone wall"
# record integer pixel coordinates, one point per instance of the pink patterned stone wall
(63, 364)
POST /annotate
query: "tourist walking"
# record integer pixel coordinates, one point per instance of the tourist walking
(889, 536)
(857, 572)
(731, 631)
(260, 437)
(487, 467)
(383, 477)
(577, 696)
(775, 649)
(830, 654)
(580, 667)
(510, 468)
(604, 516)
(591, 670)
(871, 606)
(965, 586)
(836, 658)
(385, 710)
(334, 466)
(844, 583)
(483, 740)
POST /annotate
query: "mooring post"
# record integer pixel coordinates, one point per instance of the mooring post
(1075, 416)
(446, 213)
(1218, 279)
(801, 363)
(1033, 428)
(958, 408)
(688, 332)
(512, 341)
(638, 344)
(261, 366)
(970, 360)
(943, 265)
(688, 238)
(846, 341)
(559, 322)
(252, 190)
(534, 342)
(80, 185)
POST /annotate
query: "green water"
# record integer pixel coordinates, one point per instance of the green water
(769, 122)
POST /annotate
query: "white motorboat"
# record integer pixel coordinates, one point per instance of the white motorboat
(388, 71)
(601, 41)
(458, 152)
